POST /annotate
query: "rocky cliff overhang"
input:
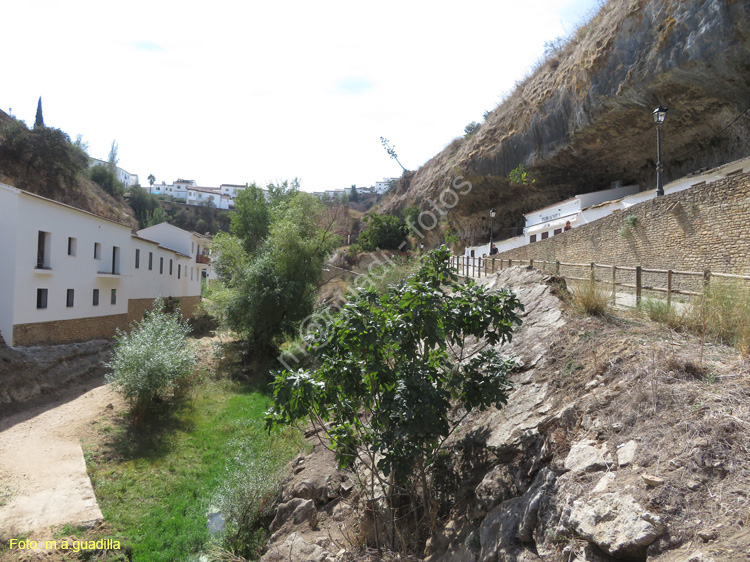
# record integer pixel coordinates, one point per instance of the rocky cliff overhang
(583, 120)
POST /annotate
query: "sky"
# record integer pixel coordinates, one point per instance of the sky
(245, 91)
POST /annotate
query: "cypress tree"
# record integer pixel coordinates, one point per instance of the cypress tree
(39, 121)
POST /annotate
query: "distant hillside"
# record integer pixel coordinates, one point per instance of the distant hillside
(583, 118)
(45, 162)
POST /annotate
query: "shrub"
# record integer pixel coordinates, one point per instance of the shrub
(384, 232)
(588, 299)
(154, 361)
(107, 180)
(659, 311)
(723, 313)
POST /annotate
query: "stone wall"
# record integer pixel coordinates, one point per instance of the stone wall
(703, 228)
(85, 329)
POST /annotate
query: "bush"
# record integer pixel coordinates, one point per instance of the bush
(154, 361)
(659, 311)
(723, 313)
(587, 299)
(107, 180)
(383, 232)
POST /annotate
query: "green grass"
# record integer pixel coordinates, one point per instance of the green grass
(154, 482)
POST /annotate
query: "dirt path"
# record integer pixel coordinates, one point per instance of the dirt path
(43, 479)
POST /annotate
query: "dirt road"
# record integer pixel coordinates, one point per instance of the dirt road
(43, 479)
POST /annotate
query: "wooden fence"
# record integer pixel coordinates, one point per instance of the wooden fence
(636, 279)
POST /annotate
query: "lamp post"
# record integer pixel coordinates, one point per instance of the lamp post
(659, 115)
(493, 212)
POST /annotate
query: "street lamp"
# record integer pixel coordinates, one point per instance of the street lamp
(659, 115)
(493, 212)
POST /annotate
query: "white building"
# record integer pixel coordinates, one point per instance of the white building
(124, 177)
(383, 186)
(69, 275)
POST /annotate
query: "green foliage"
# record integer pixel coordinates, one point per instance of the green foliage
(392, 368)
(629, 223)
(251, 218)
(723, 312)
(155, 217)
(271, 290)
(151, 179)
(384, 232)
(471, 128)
(519, 176)
(39, 119)
(144, 204)
(107, 180)
(43, 159)
(154, 361)
(228, 258)
(113, 159)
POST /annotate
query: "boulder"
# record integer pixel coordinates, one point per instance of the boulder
(615, 523)
(587, 456)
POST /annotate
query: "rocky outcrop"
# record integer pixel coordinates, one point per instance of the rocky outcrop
(583, 119)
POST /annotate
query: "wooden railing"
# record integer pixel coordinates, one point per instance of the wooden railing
(638, 278)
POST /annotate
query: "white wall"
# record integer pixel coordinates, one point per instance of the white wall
(9, 235)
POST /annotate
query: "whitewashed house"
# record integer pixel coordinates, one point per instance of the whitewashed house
(69, 275)
(123, 176)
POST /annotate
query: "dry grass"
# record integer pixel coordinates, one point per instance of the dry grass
(586, 298)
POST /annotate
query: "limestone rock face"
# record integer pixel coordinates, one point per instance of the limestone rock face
(583, 119)
(616, 524)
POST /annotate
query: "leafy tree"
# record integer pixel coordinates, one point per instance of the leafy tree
(391, 150)
(113, 159)
(151, 179)
(520, 176)
(107, 180)
(471, 128)
(251, 219)
(391, 370)
(143, 204)
(39, 120)
(277, 289)
(354, 194)
(384, 232)
(154, 361)
(40, 158)
(81, 144)
(155, 217)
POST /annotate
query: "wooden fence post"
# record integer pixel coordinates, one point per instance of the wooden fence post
(557, 268)
(592, 274)
(638, 285)
(614, 284)
(479, 269)
(531, 263)
(669, 288)
(510, 262)
(706, 280)
(493, 264)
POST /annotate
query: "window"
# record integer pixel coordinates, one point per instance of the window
(192, 247)
(113, 296)
(72, 243)
(41, 298)
(115, 260)
(150, 261)
(532, 238)
(97, 251)
(44, 242)
(558, 231)
(69, 299)
(96, 297)
(161, 266)
(170, 267)
(137, 258)
(545, 235)
(179, 270)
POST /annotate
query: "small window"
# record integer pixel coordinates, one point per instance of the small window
(150, 261)
(192, 247)
(69, 299)
(558, 231)
(179, 270)
(97, 251)
(137, 258)
(161, 266)
(545, 235)
(95, 301)
(170, 267)
(532, 238)
(41, 298)
(113, 296)
(72, 246)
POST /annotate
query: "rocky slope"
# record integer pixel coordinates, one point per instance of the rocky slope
(621, 441)
(583, 119)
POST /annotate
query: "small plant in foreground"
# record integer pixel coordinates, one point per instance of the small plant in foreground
(587, 299)
(154, 361)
